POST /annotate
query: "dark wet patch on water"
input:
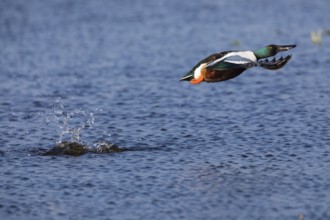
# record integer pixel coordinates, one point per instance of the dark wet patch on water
(77, 149)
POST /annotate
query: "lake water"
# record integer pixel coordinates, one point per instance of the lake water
(254, 147)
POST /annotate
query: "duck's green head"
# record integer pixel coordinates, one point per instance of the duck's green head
(271, 50)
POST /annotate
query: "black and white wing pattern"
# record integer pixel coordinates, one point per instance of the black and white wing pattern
(233, 60)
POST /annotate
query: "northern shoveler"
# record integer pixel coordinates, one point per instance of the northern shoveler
(229, 64)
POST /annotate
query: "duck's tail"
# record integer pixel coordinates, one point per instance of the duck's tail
(274, 64)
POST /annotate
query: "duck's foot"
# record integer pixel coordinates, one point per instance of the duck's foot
(198, 80)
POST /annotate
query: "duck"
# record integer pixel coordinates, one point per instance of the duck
(229, 64)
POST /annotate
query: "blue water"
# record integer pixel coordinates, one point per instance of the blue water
(254, 147)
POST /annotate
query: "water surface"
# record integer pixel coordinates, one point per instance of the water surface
(254, 147)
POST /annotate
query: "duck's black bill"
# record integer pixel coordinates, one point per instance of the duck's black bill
(280, 48)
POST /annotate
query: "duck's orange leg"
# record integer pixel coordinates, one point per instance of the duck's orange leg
(198, 80)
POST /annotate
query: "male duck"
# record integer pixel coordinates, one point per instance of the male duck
(229, 64)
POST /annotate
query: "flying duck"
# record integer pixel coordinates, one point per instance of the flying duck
(229, 64)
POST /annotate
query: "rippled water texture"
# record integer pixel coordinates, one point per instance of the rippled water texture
(254, 147)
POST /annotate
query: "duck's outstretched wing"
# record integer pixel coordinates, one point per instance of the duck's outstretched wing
(231, 62)
(274, 64)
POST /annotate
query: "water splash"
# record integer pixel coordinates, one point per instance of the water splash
(70, 123)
